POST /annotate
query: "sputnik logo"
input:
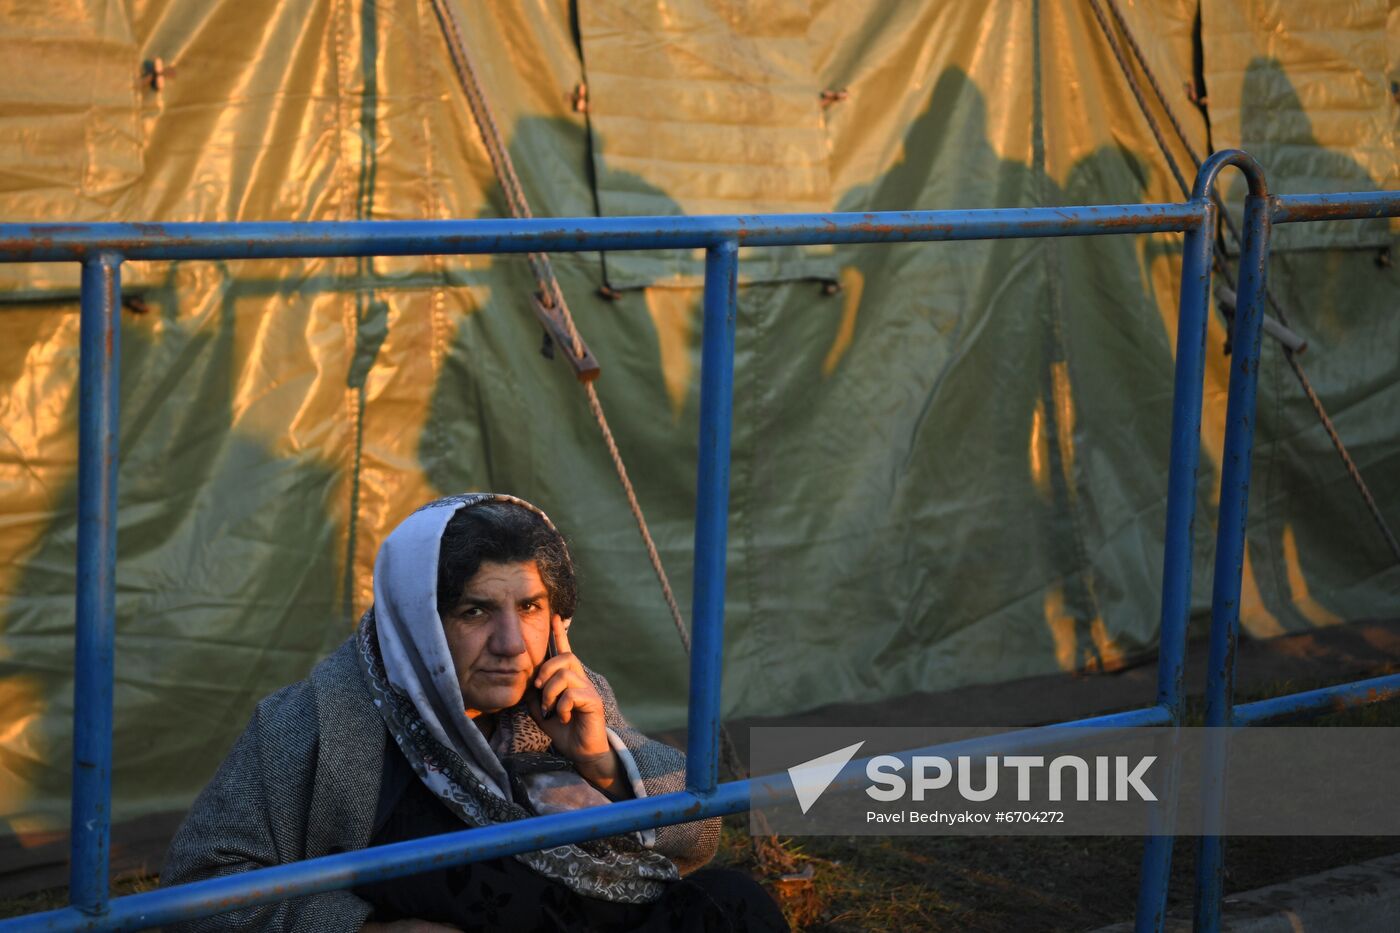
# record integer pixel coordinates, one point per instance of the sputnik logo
(811, 778)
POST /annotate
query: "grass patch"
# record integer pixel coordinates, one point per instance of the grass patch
(54, 898)
(946, 883)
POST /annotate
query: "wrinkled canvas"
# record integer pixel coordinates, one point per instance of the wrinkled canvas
(950, 471)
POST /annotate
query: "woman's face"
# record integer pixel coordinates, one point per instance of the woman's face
(497, 634)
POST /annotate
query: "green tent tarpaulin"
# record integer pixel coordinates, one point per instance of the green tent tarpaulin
(950, 470)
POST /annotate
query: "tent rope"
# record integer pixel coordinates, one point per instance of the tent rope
(552, 297)
(1131, 78)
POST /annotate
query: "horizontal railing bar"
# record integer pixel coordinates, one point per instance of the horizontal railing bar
(1352, 205)
(1320, 702)
(382, 862)
(247, 240)
(346, 869)
(1043, 739)
(286, 240)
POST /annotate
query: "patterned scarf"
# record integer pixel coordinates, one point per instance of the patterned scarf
(403, 654)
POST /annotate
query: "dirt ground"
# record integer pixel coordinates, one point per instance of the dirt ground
(1019, 884)
(947, 883)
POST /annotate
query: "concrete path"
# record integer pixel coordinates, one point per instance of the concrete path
(1361, 898)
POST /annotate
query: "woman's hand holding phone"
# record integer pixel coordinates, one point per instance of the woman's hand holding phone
(566, 705)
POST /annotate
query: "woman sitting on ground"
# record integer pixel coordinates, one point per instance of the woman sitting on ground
(456, 704)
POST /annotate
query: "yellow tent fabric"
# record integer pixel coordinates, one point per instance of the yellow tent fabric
(731, 123)
(950, 471)
(1314, 102)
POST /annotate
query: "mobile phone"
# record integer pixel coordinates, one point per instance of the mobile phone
(549, 652)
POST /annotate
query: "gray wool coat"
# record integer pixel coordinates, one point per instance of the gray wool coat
(302, 781)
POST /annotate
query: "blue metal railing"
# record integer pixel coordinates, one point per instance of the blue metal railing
(101, 249)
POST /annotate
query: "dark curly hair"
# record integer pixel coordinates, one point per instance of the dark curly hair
(504, 533)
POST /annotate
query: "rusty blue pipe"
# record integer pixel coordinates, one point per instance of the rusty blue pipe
(1183, 464)
(95, 619)
(1361, 205)
(61, 242)
(1231, 531)
(712, 516)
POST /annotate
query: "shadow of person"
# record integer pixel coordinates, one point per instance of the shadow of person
(1277, 129)
(1314, 556)
(1044, 385)
(223, 542)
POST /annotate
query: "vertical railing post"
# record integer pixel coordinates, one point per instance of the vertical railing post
(1185, 455)
(99, 368)
(712, 516)
(1229, 554)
